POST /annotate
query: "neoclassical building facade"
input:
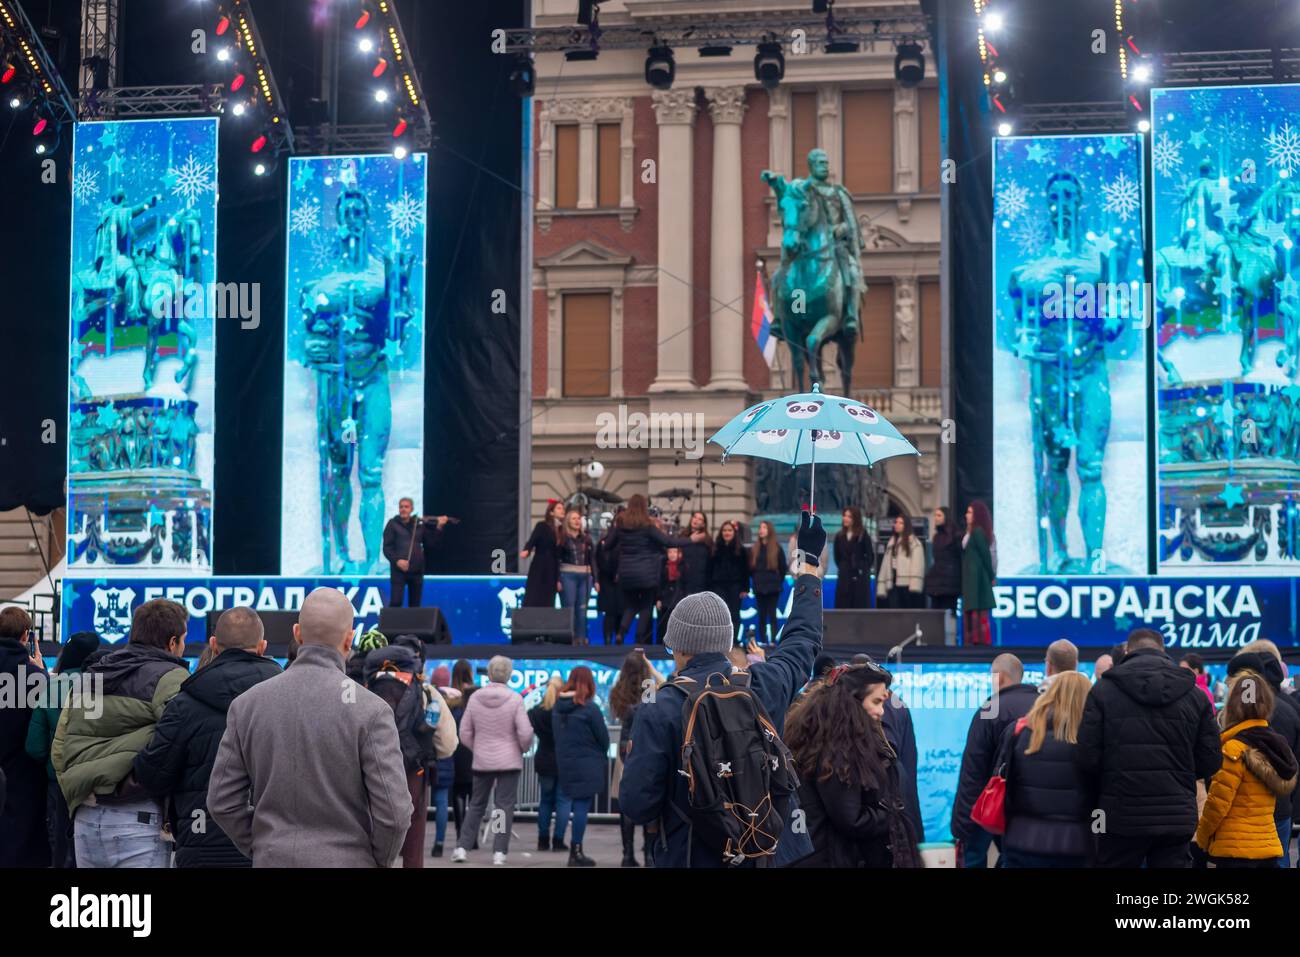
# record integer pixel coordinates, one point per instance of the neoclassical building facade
(651, 222)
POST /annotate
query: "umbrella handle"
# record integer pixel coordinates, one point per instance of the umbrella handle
(812, 492)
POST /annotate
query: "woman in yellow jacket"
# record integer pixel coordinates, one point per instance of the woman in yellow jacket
(1236, 828)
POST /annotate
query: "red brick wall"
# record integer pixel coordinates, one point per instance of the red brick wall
(539, 343)
(640, 340)
(701, 303)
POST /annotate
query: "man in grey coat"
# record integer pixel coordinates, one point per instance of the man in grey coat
(309, 772)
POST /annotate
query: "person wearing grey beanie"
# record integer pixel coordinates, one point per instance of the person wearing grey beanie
(652, 792)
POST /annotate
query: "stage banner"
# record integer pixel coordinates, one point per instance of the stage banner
(1226, 216)
(1070, 457)
(144, 300)
(354, 358)
(477, 609)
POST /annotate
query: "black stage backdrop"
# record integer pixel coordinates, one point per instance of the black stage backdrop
(472, 393)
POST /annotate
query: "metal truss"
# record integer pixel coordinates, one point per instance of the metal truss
(99, 47)
(124, 101)
(261, 79)
(1101, 117)
(18, 34)
(409, 90)
(688, 32)
(1202, 68)
(325, 140)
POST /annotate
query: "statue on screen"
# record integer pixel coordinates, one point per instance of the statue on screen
(355, 316)
(1064, 343)
(818, 288)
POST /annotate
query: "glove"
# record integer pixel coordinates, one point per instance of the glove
(812, 538)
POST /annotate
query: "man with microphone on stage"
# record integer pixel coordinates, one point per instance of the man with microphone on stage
(405, 538)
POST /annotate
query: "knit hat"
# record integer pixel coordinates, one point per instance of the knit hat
(700, 623)
(76, 649)
(372, 639)
(441, 676)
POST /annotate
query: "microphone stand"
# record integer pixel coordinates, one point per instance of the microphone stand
(896, 652)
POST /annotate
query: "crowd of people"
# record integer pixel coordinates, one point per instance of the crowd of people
(639, 567)
(736, 757)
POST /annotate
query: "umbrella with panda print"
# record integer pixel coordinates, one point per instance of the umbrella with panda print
(812, 427)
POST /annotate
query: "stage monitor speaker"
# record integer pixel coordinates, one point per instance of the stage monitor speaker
(427, 624)
(882, 626)
(542, 624)
(277, 629)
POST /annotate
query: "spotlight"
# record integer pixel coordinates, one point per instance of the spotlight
(39, 128)
(379, 69)
(909, 64)
(400, 129)
(579, 56)
(259, 144)
(264, 166)
(993, 22)
(523, 77)
(239, 109)
(1144, 126)
(259, 169)
(400, 152)
(238, 82)
(820, 6)
(367, 44)
(841, 46)
(381, 95)
(769, 65)
(224, 54)
(660, 68)
(223, 25)
(586, 11)
(8, 73)
(15, 102)
(1142, 74)
(715, 50)
(999, 76)
(363, 20)
(1005, 128)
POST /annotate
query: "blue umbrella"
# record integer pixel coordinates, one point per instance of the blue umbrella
(812, 427)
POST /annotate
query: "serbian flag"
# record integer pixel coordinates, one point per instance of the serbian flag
(760, 322)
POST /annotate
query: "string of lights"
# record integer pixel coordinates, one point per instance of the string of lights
(30, 81)
(252, 93)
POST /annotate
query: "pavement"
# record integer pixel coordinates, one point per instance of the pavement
(603, 843)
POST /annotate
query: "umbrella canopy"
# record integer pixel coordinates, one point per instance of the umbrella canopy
(810, 428)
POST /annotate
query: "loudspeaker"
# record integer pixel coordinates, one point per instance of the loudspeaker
(882, 626)
(427, 624)
(542, 624)
(277, 627)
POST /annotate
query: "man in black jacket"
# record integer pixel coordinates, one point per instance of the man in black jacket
(1148, 735)
(1010, 701)
(177, 762)
(1263, 658)
(405, 538)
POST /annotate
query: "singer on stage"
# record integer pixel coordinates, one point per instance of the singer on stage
(406, 536)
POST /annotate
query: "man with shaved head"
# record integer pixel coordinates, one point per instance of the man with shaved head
(1062, 655)
(1010, 701)
(177, 762)
(310, 772)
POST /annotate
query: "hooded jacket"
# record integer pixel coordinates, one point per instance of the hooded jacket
(1258, 769)
(93, 753)
(1285, 719)
(177, 762)
(581, 747)
(496, 728)
(1147, 736)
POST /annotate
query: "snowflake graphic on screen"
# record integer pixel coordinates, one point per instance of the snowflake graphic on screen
(322, 250)
(1013, 199)
(1121, 197)
(305, 219)
(85, 184)
(406, 215)
(1167, 155)
(1031, 235)
(191, 180)
(1284, 148)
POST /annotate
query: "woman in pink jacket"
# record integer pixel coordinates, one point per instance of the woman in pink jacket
(496, 728)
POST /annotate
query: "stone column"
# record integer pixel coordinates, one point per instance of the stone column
(727, 242)
(675, 113)
(587, 163)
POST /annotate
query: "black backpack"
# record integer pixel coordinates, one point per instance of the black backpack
(393, 673)
(739, 772)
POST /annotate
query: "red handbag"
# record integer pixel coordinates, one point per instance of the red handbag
(990, 810)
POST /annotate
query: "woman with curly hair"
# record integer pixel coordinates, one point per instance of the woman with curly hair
(850, 789)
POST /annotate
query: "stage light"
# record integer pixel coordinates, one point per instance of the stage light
(381, 95)
(400, 152)
(400, 129)
(909, 64)
(39, 128)
(15, 102)
(660, 68)
(223, 25)
(259, 169)
(586, 12)
(259, 144)
(820, 6)
(367, 44)
(224, 54)
(1144, 125)
(239, 108)
(1005, 128)
(579, 56)
(238, 82)
(841, 46)
(993, 22)
(715, 50)
(523, 77)
(363, 20)
(8, 73)
(1142, 73)
(999, 76)
(769, 65)
(379, 69)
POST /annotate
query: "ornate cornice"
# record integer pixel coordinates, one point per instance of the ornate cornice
(586, 108)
